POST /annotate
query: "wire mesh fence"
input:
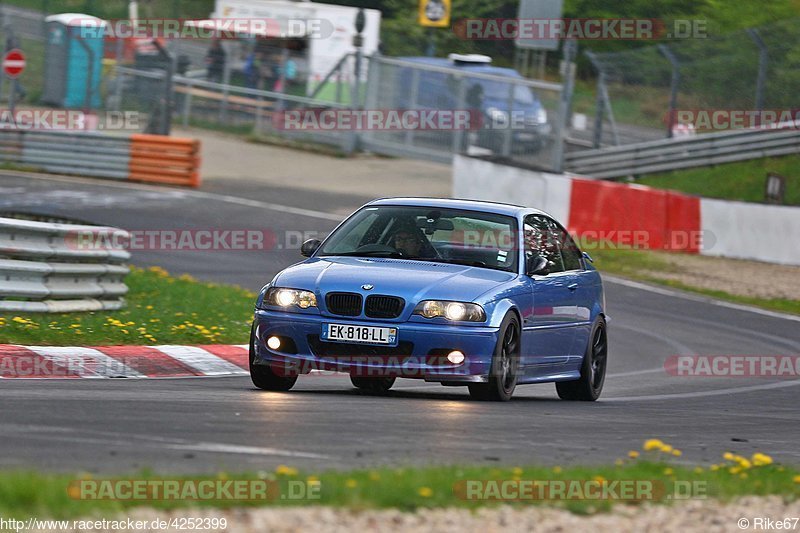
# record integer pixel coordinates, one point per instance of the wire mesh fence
(676, 88)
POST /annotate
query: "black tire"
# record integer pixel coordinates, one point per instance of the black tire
(593, 369)
(505, 365)
(262, 375)
(374, 385)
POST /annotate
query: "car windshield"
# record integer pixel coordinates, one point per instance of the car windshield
(434, 234)
(498, 90)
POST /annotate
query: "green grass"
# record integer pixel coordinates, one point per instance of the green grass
(732, 181)
(24, 494)
(161, 309)
(644, 265)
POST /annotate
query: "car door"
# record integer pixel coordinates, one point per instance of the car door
(585, 293)
(548, 331)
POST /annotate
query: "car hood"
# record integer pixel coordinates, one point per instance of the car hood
(411, 280)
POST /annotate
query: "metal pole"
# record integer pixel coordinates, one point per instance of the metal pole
(600, 103)
(355, 90)
(570, 50)
(673, 91)
(763, 57)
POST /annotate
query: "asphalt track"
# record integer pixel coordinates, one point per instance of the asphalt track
(204, 424)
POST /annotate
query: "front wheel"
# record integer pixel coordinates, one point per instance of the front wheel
(593, 369)
(505, 365)
(262, 375)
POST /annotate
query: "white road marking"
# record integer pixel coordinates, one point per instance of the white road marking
(704, 394)
(248, 450)
(698, 298)
(85, 362)
(192, 193)
(201, 360)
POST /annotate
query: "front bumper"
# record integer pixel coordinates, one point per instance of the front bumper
(420, 353)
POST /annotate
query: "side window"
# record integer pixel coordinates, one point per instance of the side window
(571, 254)
(540, 239)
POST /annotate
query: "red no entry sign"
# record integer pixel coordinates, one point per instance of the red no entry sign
(14, 63)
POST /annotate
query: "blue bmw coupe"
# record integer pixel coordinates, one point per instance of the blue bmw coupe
(464, 293)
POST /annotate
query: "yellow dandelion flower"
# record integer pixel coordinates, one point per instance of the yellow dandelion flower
(714, 468)
(668, 471)
(677, 453)
(557, 470)
(517, 471)
(619, 462)
(728, 456)
(425, 492)
(761, 459)
(698, 470)
(652, 444)
(283, 470)
(633, 454)
(351, 483)
(796, 479)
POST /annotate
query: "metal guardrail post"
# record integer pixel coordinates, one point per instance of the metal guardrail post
(673, 86)
(570, 51)
(187, 104)
(763, 57)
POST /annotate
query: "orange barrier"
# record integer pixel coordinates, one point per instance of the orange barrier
(162, 159)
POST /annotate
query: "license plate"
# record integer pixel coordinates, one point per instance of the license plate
(359, 334)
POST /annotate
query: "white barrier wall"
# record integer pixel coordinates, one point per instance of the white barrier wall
(750, 231)
(730, 229)
(476, 179)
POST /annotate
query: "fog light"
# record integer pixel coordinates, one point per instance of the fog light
(274, 343)
(456, 357)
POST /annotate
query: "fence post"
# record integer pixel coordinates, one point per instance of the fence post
(763, 57)
(600, 103)
(570, 50)
(673, 89)
(187, 103)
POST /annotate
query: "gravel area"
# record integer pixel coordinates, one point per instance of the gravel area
(706, 516)
(735, 276)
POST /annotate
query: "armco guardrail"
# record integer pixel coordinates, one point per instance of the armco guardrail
(686, 152)
(49, 267)
(146, 158)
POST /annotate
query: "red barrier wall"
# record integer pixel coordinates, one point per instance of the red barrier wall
(635, 216)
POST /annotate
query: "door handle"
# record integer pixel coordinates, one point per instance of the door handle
(572, 287)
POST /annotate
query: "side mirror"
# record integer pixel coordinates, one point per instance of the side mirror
(309, 247)
(536, 266)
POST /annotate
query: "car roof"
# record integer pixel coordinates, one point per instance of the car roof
(480, 68)
(472, 205)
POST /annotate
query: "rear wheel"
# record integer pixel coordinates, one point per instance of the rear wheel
(505, 365)
(593, 369)
(376, 385)
(263, 376)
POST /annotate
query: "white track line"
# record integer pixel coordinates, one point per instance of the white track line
(249, 450)
(698, 298)
(704, 394)
(196, 194)
(201, 360)
(75, 359)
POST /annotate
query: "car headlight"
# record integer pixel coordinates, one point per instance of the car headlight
(455, 311)
(283, 297)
